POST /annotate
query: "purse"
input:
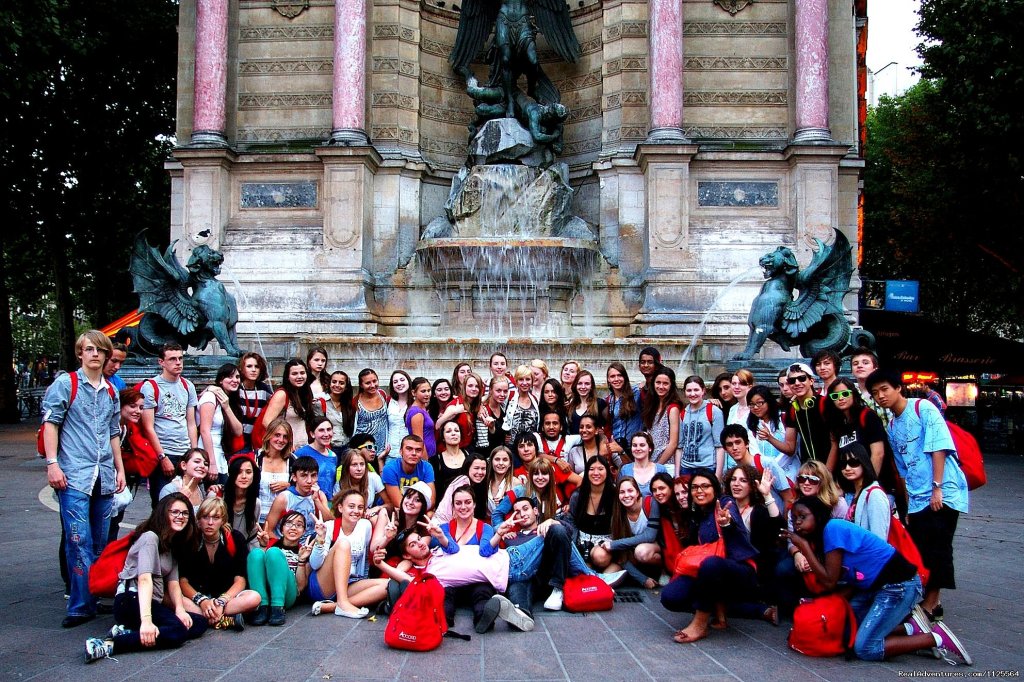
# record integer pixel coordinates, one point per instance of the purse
(688, 561)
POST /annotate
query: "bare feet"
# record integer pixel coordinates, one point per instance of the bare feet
(686, 636)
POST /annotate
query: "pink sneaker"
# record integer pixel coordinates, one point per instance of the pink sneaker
(950, 644)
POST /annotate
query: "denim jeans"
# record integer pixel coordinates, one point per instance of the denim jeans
(878, 613)
(85, 520)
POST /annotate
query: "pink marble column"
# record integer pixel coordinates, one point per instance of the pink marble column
(349, 125)
(812, 71)
(211, 75)
(666, 67)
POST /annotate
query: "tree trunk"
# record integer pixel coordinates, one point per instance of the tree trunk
(9, 412)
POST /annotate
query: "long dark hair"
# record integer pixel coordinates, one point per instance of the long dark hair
(671, 508)
(834, 417)
(179, 544)
(864, 457)
(627, 405)
(765, 394)
(583, 491)
(434, 407)
(577, 399)
(716, 486)
(391, 387)
(252, 495)
(324, 377)
(347, 406)
(223, 372)
(300, 399)
(653, 407)
(559, 408)
(620, 519)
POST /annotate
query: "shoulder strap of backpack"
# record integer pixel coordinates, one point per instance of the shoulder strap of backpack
(229, 542)
(336, 531)
(156, 392)
(709, 411)
(74, 388)
(184, 384)
(479, 530)
(647, 506)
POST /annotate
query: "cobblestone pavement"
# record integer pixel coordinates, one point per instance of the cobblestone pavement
(631, 642)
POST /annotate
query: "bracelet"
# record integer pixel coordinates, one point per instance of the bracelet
(220, 601)
(50, 461)
(198, 597)
(769, 501)
(303, 561)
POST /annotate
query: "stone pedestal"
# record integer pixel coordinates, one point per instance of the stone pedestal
(347, 228)
(206, 194)
(669, 263)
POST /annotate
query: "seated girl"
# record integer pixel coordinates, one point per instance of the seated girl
(633, 545)
(213, 575)
(149, 610)
(340, 582)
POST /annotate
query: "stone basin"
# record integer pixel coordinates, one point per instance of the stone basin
(500, 285)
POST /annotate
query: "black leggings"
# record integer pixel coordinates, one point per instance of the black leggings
(173, 632)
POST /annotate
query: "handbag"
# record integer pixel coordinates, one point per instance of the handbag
(688, 561)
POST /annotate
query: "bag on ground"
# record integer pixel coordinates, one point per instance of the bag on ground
(823, 626)
(417, 621)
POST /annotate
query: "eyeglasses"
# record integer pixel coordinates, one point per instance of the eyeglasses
(797, 379)
(840, 395)
(852, 463)
(701, 486)
(758, 404)
(294, 524)
(178, 513)
(808, 478)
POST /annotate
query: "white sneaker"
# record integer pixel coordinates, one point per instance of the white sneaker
(665, 579)
(554, 601)
(612, 579)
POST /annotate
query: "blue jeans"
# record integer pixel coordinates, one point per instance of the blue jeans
(878, 613)
(85, 520)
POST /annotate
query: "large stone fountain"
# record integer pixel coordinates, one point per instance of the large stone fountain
(508, 256)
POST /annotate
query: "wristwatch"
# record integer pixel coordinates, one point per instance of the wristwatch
(936, 485)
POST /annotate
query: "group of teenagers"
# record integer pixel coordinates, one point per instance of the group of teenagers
(337, 493)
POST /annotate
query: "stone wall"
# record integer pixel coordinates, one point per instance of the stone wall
(322, 239)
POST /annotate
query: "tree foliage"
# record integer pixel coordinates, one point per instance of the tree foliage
(943, 178)
(87, 93)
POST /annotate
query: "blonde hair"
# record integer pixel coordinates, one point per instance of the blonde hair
(522, 372)
(96, 338)
(541, 365)
(213, 506)
(828, 491)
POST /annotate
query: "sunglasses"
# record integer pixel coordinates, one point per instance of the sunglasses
(852, 463)
(808, 478)
(797, 379)
(840, 395)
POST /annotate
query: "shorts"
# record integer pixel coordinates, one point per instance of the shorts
(315, 592)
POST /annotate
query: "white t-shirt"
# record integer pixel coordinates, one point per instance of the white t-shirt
(216, 431)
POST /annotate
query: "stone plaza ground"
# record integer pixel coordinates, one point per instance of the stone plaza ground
(631, 642)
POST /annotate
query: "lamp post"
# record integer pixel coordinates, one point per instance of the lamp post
(874, 74)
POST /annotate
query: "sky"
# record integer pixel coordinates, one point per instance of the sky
(891, 38)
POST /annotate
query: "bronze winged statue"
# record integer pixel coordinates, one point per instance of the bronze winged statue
(513, 52)
(815, 320)
(186, 305)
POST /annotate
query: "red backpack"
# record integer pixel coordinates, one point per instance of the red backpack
(40, 444)
(899, 537)
(967, 453)
(823, 626)
(103, 574)
(584, 593)
(417, 621)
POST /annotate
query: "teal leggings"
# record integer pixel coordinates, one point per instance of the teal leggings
(271, 578)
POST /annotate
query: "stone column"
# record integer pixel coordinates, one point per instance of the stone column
(211, 74)
(666, 68)
(812, 71)
(349, 96)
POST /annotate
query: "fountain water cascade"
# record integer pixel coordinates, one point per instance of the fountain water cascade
(508, 256)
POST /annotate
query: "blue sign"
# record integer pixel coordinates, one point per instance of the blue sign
(901, 296)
